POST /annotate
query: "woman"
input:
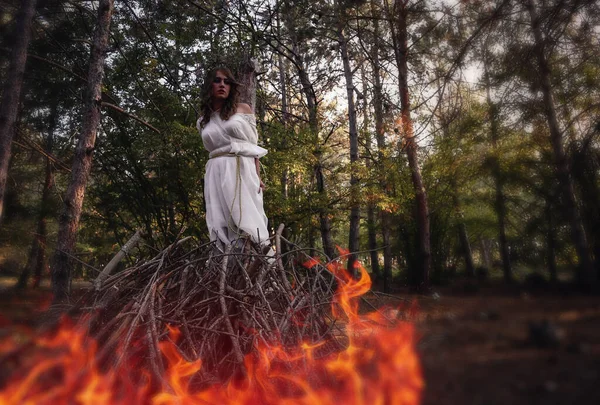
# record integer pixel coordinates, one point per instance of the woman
(232, 185)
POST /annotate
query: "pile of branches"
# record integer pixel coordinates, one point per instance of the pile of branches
(221, 300)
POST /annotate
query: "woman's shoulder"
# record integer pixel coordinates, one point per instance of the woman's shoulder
(244, 108)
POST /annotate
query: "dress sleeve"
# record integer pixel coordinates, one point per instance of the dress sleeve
(251, 120)
(249, 147)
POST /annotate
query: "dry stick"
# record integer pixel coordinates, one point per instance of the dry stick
(154, 348)
(156, 369)
(216, 332)
(191, 282)
(183, 280)
(291, 312)
(112, 342)
(109, 326)
(131, 243)
(210, 327)
(284, 279)
(234, 341)
(179, 350)
(136, 320)
(207, 300)
(267, 304)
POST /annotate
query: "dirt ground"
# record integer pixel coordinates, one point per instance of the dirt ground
(482, 348)
(493, 347)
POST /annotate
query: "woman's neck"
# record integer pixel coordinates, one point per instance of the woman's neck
(216, 106)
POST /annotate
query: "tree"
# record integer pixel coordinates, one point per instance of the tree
(353, 234)
(586, 274)
(296, 57)
(37, 262)
(61, 267)
(398, 20)
(494, 161)
(12, 89)
(382, 155)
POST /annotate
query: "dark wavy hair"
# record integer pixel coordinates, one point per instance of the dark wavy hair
(230, 105)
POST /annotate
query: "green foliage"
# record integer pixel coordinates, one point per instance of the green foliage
(149, 162)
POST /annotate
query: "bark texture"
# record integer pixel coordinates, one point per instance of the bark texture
(11, 93)
(465, 245)
(384, 214)
(353, 245)
(37, 262)
(82, 162)
(586, 275)
(499, 199)
(369, 163)
(399, 28)
(311, 102)
(247, 76)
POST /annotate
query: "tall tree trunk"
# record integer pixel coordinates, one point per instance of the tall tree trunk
(11, 93)
(486, 254)
(585, 274)
(399, 28)
(466, 248)
(284, 179)
(37, 263)
(550, 242)
(585, 168)
(384, 214)
(62, 264)
(284, 114)
(465, 245)
(324, 220)
(247, 76)
(371, 216)
(500, 199)
(353, 234)
(311, 102)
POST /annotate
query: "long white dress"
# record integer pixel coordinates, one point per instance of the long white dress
(234, 201)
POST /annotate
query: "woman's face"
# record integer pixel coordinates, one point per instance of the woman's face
(221, 86)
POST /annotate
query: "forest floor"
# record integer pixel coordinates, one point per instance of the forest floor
(483, 347)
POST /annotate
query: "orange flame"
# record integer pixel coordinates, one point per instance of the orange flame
(378, 366)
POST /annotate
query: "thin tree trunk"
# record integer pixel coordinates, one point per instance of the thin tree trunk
(247, 76)
(284, 115)
(37, 263)
(324, 221)
(384, 214)
(62, 264)
(311, 102)
(466, 249)
(399, 28)
(311, 239)
(371, 216)
(485, 254)
(11, 93)
(353, 234)
(500, 199)
(550, 242)
(585, 165)
(465, 245)
(586, 275)
(284, 179)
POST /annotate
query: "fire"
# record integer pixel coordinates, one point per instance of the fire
(378, 366)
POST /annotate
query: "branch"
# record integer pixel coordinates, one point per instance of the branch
(36, 147)
(138, 119)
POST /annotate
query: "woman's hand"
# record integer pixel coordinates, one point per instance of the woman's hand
(262, 186)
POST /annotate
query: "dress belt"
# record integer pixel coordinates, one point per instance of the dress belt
(227, 154)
